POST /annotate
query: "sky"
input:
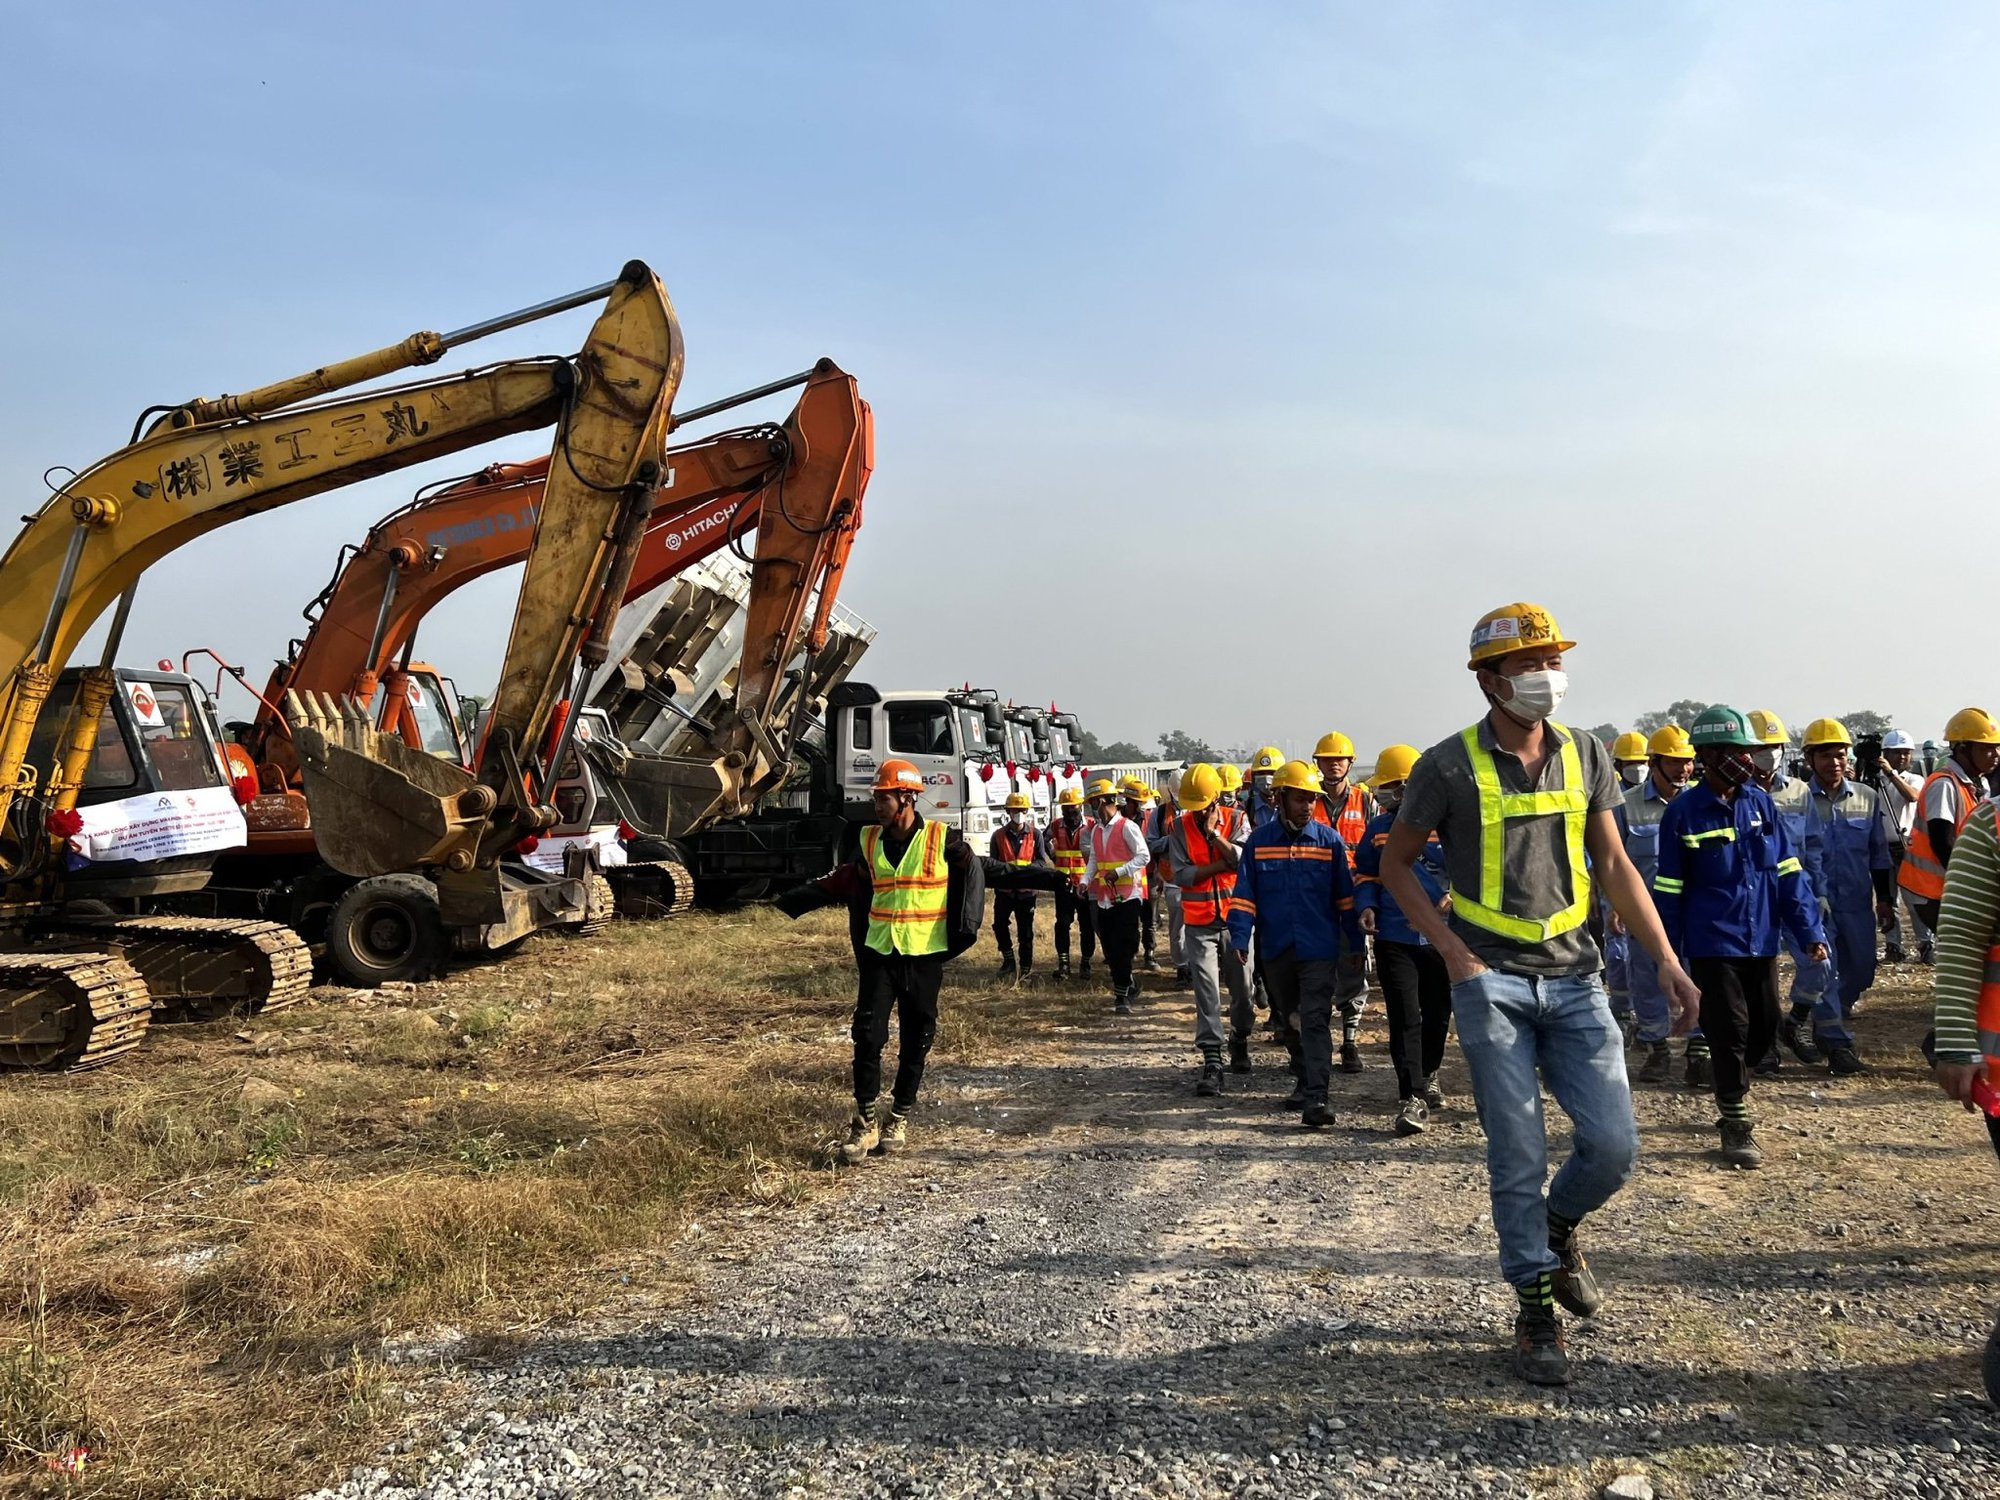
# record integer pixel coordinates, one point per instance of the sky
(1227, 361)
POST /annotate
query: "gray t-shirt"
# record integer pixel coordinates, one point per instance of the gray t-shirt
(1536, 875)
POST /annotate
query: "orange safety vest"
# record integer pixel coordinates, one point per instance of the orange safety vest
(1351, 824)
(1922, 874)
(1009, 853)
(1205, 904)
(1107, 856)
(1066, 847)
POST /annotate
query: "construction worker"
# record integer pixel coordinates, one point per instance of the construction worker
(1347, 809)
(1204, 859)
(1158, 827)
(1728, 880)
(1669, 761)
(1416, 991)
(1114, 873)
(1019, 843)
(915, 897)
(1067, 833)
(1523, 808)
(1232, 786)
(1137, 804)
(1630, 758)
(1768, 759)
(1261, 773)
(1295, 893)
(1887, 773)
(1944, 803)
(1836, 826)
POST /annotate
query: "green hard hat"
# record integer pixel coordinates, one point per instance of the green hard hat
(1720, 724)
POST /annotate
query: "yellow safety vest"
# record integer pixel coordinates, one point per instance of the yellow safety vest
(1496, 809)
(907, 912)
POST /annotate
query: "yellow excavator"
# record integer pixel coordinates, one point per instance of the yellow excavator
(78, 989)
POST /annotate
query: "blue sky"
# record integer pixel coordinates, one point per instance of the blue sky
(1227, 360)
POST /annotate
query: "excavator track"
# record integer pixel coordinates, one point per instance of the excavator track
(651, 889)
(605, 900)
(206, 968)
(69, 1010)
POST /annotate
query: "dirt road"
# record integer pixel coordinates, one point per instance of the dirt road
(1087, 1282)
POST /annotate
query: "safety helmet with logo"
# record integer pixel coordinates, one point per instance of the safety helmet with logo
(1825, 732)
(1515, 627)
(1631, 745)
(1020, 802)
(1099, 789)
(1724, 726)
(898, 776)
(1070, 796)
(1972, 726)
(1899, 739)
(1394, 764)
(1200, 785)
(1671, 742)
(1232, 779)
(1298, 776)
(1332, 745)
(1768, 727)
(1267, 759)
(1136, 789)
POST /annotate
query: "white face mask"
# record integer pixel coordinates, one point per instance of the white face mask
(1631, 775)
(1536, 695)
(1018, 819)
(1765, 760)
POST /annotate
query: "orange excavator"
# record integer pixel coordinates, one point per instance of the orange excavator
(799, 485)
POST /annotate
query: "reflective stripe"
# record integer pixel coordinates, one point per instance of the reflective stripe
(1666, 885)
(1206, 902)
(906, 912)
(1129, 888)
(1922, 874)
(1293, 851)
(1788, 867)
(1496, 809)
(1695, 840)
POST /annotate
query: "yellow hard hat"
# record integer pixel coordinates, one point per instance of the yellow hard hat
(1101, 787)
(1232, 779)
(1631, 745)
(1516, 627)
(1298, 776)
(1200, 785)
(1020, 802)
(1333, 743)
(1769, 727)
(1070, 796)
(1394, 763)
(1825, 732)
(1972, 726)
(1671, 741)
(1267, 759)
(1137, 790)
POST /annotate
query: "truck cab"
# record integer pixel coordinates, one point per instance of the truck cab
(955, 739)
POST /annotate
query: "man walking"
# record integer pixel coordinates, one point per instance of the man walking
(1523, 808)
(1947, 799)
(1114, 872)
(1204, 861)
(1019, 844)
(1670, 760)
(1347, 809)
(1886, 772)
(1067, 832)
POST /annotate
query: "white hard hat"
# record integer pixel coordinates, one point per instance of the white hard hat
(1898, 739)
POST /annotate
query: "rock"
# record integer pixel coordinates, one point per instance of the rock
(1628, 1487)
(261, 1093)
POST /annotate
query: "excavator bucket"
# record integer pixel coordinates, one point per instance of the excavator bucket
(379, 806)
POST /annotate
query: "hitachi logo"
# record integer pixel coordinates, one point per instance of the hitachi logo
(471, 531)
(675, 540)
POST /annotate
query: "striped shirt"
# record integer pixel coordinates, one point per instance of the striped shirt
(1968, 925)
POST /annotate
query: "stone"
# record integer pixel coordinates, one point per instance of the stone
(1628, 1487)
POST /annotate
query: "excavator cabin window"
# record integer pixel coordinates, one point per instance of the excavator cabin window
(110, 767)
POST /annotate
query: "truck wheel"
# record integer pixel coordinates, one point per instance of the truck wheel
(385, 929)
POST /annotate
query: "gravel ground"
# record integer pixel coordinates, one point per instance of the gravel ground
(1087, 1282)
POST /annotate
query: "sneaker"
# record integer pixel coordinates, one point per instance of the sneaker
(1576, 1288)
(1006, 966)
(1433, 1095)
(895, 1134)
(1700, 1071)
(1414, 1117)
(1350, 1058)
(1121, 1004)
(864, 1133)
(1768, 1065)
(1844, 1062)
(1239, 1054)
(1539, 1357)
(1659, 1063)
(1797, 1034)
(1315, 1115)
(1739, 1144)
(1211, 1080)
(1926, 952)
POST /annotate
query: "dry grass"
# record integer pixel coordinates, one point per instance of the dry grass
(206, 1246)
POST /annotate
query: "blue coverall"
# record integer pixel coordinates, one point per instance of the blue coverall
(1840, 842)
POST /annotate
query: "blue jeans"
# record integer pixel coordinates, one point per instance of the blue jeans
(1518, 1032)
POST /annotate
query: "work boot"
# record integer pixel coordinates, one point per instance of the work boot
(1576, 1288)
(1027, 970)
(1083, 967)
(1211, 1079)
(1350, 1056)
(1700, 1071)
(1658, 1064)
(1181, 974)
(1893, 954)
(1739, 1144)
(1149, 963)
(1315, 1115)
(1539, 1357)
(1844, 1062)
(1768, 1065)
(1062, 966)
(1797, 1034)
(1926, 952)
(1433, 1095)
(1239, 1054)
(1006, 966)
(1121, 1001)
(1414, 1117)
(864, 1133)
(895, 1134)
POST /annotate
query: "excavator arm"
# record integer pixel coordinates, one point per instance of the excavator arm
(210, 462)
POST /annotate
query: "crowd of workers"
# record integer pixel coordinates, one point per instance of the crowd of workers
(1560, 900)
